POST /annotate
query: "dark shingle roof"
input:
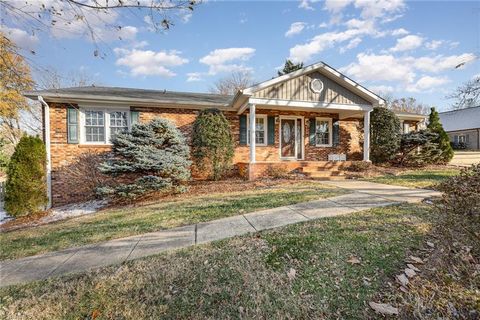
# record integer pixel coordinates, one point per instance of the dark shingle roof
(115, 93)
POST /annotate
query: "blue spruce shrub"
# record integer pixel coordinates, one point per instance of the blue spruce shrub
(154, 155)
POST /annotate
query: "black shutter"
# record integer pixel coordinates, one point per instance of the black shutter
(313, 124)
(72, 125)
(271, 130)
(243, 130)
(336, 132)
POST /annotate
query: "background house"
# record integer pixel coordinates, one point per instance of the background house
(463, 127)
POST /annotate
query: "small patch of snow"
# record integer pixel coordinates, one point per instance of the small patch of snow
(4, 217)
(74, 210)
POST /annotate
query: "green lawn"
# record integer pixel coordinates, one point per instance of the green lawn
(422, 178)
(117, 223)
(299, 271)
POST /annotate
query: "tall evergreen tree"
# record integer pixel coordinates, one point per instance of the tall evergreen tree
(290, 67)
(154, 155)
(443, 141)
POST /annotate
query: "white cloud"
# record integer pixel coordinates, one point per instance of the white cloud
(336, 6)
(227, 60)
(434, 44)
(406, 43)
(379, 8)
(295, 28)
(371, 67)
(427, 83)
(399, 32)
(149, 63)
(352, 44)
(306, 4)
(382, 89)
(441, 63)
(194, 76)
(321, 42)
(20, 37)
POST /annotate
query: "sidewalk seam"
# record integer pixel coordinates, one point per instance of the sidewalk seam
(250, 223)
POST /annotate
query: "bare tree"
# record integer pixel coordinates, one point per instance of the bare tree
(230, 85)
(409, 104)
(99, 20)
(466, 95)
(53, 79)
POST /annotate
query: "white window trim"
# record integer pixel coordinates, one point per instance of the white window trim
(265, 134)
(106, 122)
(330, 131)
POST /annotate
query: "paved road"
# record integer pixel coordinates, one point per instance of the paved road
(465, 158)
(365, 195)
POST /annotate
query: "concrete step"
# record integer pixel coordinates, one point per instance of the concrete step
(325, 173)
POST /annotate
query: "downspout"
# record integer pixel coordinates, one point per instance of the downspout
(46, 120)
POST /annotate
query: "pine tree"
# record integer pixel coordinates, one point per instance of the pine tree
(418, 148)
(290, 67)
(154, 155)
(212, 143)
(385, 135)
(443, 141)
(26, 190)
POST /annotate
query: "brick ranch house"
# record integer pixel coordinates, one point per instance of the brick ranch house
(314, 119)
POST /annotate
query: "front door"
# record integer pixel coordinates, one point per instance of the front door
(290, 138)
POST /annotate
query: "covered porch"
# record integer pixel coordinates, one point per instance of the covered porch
(317, 139)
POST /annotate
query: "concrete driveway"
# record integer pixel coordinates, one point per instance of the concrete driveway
(465, 158)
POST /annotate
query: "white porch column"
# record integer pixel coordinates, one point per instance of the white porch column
(366, 136)
(252, 133)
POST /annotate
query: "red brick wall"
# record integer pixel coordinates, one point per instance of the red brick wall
(72, 180)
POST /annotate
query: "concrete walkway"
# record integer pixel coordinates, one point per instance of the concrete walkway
(364, 195)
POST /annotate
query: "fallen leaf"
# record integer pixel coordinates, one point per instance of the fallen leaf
(416, 259)
(354, 260)
(402, 279)
(430, 244)
(403, 289)
(291, 274)
(383, 308)
(410, 272)
(411, 266)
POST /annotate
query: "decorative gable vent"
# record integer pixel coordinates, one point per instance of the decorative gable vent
(316, 85)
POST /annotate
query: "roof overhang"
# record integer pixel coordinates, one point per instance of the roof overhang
(112, 100)
(411, 116)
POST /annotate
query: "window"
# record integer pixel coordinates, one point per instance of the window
(94, 126)
(260, 130)
(323, 132)
(462, 139)
(118, 122)
(406, 127)
(98, 126)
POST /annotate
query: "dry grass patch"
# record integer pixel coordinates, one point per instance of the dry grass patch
(303, 271)
(159, 214)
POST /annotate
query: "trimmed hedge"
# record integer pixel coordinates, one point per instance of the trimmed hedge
(26, 189)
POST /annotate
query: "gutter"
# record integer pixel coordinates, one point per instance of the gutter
(46, 127)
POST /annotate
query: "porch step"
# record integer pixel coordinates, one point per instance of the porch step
(324, 174)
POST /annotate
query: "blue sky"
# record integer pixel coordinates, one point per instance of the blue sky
(402, 48)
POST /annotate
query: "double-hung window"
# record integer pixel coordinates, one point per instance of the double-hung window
(98, 126)
(260, 130)
(323, 132)
(94, 126)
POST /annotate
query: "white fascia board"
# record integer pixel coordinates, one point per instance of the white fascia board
(411, 116)
(138, 103)
(311, 105)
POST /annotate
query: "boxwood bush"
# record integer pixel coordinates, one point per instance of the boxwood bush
(26, 189)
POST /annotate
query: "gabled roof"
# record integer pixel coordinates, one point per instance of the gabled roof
(327, 71)
(132, 96)
(463, 119)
